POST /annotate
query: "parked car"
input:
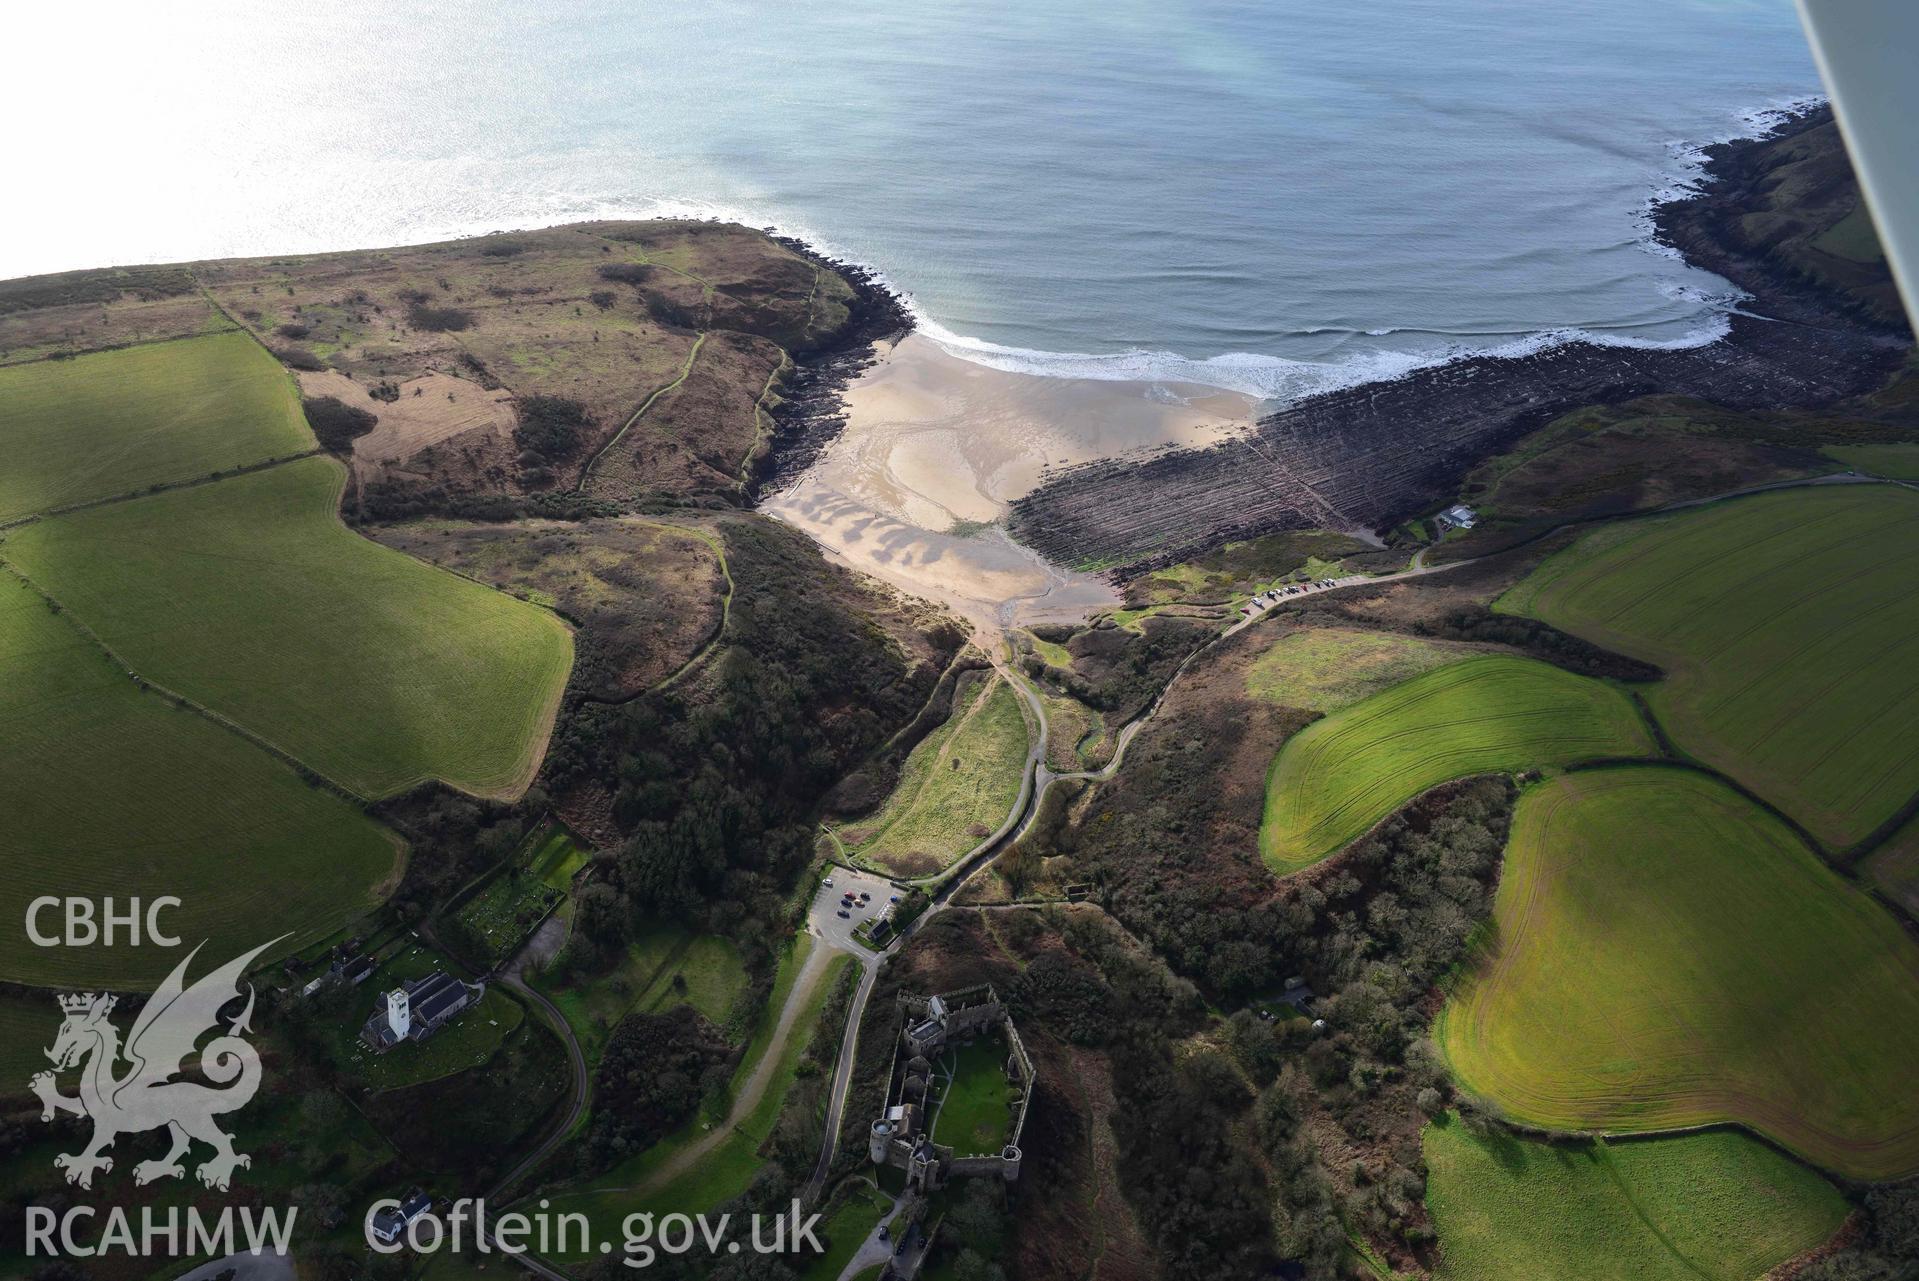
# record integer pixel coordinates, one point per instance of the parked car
(845, 915)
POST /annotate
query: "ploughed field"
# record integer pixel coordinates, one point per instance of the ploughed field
(1666, 954)
(1790, 634)
(1496, 713)
(1717, 1205)
(250, 598)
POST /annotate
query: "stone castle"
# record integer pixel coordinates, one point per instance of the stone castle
(903, 1135)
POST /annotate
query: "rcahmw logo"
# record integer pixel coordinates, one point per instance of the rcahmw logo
(129, 1089)
(144, 1096)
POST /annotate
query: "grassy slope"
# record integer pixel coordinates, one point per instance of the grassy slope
(1324, 669)
(1339, 776)
(1718, 1205)
(118, 421)
(250, 597)
(1790, 634)
(664, 967)
(961, 778)
(113, 791)
(1670, 955)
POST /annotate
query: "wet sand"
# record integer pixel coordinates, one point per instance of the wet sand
(935, 448)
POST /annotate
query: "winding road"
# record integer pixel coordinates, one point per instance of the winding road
(512, 976)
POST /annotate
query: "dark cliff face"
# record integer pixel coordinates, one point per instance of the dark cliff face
(1367, 457)
(1782, 219)
(811, 411)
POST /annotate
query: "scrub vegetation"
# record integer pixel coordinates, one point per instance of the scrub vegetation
(646, 594)
(730, 1116)
(664, 967)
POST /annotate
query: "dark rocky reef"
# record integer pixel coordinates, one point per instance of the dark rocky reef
(1373, 455)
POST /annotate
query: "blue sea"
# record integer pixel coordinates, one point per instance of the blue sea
(1269, 195)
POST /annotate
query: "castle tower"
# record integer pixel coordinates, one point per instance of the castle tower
(399, 1014)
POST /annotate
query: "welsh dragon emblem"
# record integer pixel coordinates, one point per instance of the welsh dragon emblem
(143, 1096)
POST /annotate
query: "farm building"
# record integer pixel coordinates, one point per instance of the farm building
(417, 1009)
(390, 1224)
(1458, 516)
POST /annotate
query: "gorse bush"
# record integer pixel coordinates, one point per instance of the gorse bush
(335, 423)
(438, 319)
(551, 427)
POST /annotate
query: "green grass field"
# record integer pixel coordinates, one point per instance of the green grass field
(1789, 632)
(1667, 954)
(973, 1118)
(118, 421)
(557, 859)
(1718, 1206)
(1339, 776)
(1897, 462)
(1324, 669)
(845, 1229)
(957, 786)
(251, 598)
(112, 791)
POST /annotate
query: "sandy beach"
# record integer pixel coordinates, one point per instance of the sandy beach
(934, 449)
